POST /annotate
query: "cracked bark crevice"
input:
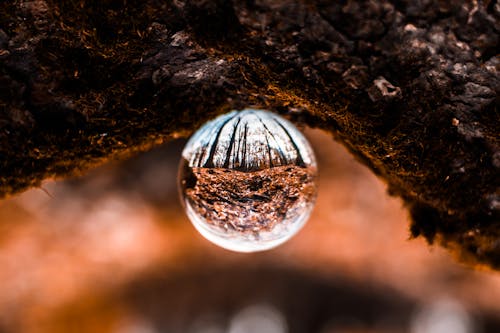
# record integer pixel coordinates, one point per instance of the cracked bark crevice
(410, 88)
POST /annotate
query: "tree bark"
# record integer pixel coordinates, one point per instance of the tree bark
(409, 87)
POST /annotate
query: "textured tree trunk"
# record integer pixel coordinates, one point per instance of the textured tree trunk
(409, 87)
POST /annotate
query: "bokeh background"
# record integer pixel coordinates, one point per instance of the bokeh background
(113, 251)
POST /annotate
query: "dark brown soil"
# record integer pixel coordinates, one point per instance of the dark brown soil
(252, 202)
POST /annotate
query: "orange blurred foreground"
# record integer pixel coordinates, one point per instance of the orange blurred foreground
(114, 252)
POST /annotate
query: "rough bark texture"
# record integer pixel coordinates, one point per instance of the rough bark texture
(410, 87)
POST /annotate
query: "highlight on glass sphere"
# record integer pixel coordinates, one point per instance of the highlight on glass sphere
(248, 180)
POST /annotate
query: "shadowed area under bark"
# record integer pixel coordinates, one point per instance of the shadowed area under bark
(409, 87)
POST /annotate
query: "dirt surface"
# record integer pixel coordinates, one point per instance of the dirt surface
(251, 202)
(410, 88)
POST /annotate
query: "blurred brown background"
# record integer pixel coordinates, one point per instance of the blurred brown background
(113, 252)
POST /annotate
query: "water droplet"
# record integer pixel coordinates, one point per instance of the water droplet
(248, 180)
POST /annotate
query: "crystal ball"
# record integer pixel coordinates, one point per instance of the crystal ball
(248, 180)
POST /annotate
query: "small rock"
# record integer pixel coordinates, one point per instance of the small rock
(410, 28)
(181, 38)
(383, 89)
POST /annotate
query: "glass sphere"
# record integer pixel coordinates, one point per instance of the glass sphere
(248, 180)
